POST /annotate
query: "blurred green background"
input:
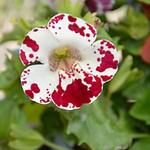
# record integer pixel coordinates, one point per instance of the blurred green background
(118, 120)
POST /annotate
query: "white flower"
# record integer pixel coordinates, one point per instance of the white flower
(72, 68)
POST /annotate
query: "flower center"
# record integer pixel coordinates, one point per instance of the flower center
(62, 52)
(63, 58)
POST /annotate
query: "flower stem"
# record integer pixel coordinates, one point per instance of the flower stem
(54, 146)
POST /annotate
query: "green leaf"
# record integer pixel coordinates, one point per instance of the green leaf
(121, 76)
(93, 126)
(66, 6)
(25, 138)
(135, 24)
(77, 8)
(43, 13)
(133, 49)
(51, 125)
(21, 27)
(9, 76)
(15, 60)
(16, 94)
(25, 144)
(13, 70)
(91, 18)
(134, 76)
(30, 134)
(33, 112)
(140, 109)
(102, 34)
(136, 90)
(4, 147)
(23, 24)
(9, 113)
(6, 109)
(16, 34)
(143, 144)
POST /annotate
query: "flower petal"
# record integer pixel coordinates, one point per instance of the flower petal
(101, 59)
(39, 82)
(36, 46)
(72, 31)
(76, 88)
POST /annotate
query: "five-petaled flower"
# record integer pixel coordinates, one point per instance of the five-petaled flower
(66, 66)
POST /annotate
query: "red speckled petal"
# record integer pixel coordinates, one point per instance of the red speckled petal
(39, 82)
(37, 45)
(101, 59)
(72, 31)
(76, 89)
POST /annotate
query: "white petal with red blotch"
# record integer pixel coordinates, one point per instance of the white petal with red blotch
(72, 31)
(76, 88)
(39, 82)
(37, 45)
(101, 59)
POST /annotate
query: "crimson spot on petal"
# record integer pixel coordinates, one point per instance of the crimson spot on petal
(29, 93)
(44, 101)
(102, 42)
(23, 57)
(23, 83)
(56, 19)
(95, 86)
(76, 93)
(106, 78)
(75, 28)
(31, 55)
(107, 61)
(91, 29)
(71, 19)
(31, 43)
(109, 45)
(35, 88)
(88, 35)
